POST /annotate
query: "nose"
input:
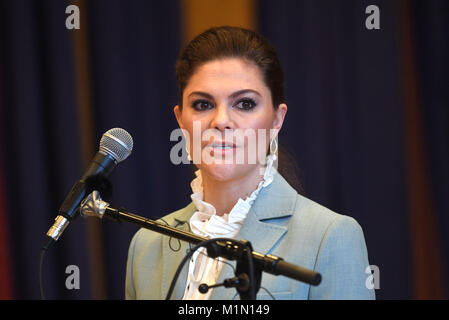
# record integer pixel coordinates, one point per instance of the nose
(222, 118)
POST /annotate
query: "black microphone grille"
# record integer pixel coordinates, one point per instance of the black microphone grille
(118, 143)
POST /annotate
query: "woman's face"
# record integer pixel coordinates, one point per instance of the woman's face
(222, 99)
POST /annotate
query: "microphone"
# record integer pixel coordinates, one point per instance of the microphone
(115, 146)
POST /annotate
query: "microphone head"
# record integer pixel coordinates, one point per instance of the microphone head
(118, 143)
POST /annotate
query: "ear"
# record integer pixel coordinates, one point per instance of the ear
(177, 111)
(279, 116)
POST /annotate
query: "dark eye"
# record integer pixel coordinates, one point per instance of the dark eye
(246, 104)
(201, 105)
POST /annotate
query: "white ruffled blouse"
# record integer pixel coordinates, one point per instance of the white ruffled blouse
(206, 223)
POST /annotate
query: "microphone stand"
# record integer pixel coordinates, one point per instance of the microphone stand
(230, 249)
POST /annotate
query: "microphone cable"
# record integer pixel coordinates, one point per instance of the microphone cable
(41, 286)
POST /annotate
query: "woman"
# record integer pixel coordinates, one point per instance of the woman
(230, 82)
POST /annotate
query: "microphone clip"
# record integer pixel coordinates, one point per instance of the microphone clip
(93, 206)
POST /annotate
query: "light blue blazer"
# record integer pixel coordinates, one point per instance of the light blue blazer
(280, 222)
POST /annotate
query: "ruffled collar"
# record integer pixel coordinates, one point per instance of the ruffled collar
(205, 222)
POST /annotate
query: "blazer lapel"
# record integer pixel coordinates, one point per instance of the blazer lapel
(262, 227)
(277, 200)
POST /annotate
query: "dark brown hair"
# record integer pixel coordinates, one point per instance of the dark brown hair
(228, 42)
(234, 42)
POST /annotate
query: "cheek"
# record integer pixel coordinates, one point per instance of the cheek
(261, 126)
(261, 118)
(187, 126)
(257, 145)
(195, 127)
(257, 124)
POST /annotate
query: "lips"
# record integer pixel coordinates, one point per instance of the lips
(221, 145)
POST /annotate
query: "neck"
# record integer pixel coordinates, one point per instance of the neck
(223, 195)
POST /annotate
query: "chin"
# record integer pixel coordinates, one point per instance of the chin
(224, 172)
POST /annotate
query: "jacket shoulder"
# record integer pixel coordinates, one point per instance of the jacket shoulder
(313, 215)
(339, 251)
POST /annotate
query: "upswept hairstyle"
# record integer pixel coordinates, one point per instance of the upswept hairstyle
(232, 42)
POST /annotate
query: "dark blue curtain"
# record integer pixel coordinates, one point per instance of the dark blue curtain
(345, 124)
(431, 28)
(132, 51)
(134, 46)
(345, 121)
(40, 141)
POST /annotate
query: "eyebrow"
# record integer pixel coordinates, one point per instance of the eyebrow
(234, 95)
